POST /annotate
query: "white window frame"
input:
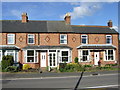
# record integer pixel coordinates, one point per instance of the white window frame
(66, 56)
(109, 38)
(81, 55)
(1, 55)
(33, 36)
(11, 36)
(107, 55)
(14, 54)
(63, 39)
(35, 55)
(85, 38)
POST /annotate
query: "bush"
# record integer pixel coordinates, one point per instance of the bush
(72, 67)
(26, 66)
(87, 66)
(7, 61)
(76, 60)
(11, 69)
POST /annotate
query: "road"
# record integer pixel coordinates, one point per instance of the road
(96, 81)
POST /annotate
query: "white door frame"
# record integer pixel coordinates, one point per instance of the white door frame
(43, 59)
(0, 55)
(96, 58)
(52, 59)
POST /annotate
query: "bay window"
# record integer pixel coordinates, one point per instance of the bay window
(31, 56)
(109, 55)
(84, 55)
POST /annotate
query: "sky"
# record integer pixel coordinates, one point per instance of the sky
(82, 13)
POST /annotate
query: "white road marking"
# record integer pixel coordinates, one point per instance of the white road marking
(58, 77)
(103, 86)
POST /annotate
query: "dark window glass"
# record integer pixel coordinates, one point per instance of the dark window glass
(30, 53)
(64, 53)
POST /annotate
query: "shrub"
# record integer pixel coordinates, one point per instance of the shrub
(7, 61)
(87, 66)
(11, 69)
(76, 60)
(26, 66)
(72, 67)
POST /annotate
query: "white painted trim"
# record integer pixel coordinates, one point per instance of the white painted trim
(33, 38)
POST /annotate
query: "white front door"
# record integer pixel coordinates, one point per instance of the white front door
(96, 58)
(43, 59)
(52, 59)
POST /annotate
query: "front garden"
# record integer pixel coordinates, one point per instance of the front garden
(7, 65)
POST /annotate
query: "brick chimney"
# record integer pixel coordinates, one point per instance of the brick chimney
(67, 18)
(24, 18)
(110, 23)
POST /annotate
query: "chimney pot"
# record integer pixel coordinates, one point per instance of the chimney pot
(110, 23)
(67, 18)
(24, 17)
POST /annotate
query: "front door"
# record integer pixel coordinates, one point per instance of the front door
(96, 58)
(43, 59)
(52, 59)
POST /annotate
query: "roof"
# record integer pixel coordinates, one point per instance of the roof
(93, 29)
(13, 26)
(96, 46)
(47, 47)
(9, 47)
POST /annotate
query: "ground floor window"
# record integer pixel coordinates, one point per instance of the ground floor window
(84, 55)
(109, 54)
(13, 53)
(31, 56)
(64, 56)
(0, 55)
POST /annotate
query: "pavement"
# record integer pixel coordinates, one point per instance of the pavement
(52, 74)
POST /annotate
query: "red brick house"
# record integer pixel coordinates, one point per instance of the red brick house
(48, 43)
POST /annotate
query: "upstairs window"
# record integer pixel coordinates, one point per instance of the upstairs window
(11, 38)
(84, 39)
(31, 39)
(108, 39)
(63, 39)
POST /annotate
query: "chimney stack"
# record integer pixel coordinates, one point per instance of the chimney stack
(24, 18)
(110, 23)
(67, 18)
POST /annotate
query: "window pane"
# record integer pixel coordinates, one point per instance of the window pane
(84, 58)
(64, 59)
(30, 59)
(64, 53)
(84, 41)
(30, 53)
(85, 52)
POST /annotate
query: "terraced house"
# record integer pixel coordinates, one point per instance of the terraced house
(48, 43)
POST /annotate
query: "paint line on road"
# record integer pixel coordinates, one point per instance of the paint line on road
(59, 77)
(102, 86)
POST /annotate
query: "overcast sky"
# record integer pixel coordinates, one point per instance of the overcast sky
(82, 13)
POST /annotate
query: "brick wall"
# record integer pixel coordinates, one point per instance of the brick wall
(74, 40)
